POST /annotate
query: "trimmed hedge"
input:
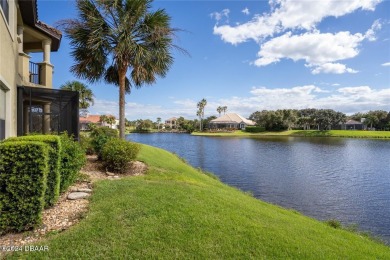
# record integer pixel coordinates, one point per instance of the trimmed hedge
(254, 129)
(100, 136)
(23, 179)
(72, 159)
(117, 153)
(53, 179)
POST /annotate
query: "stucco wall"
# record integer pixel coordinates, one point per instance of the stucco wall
(8, 66)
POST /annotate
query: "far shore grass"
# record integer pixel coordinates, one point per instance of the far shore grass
(178, 212)
(306, 133)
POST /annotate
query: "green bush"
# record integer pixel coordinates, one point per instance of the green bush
(86, 144)
(23, 179)
(72, 159)
(100, 135)
(254, 129)
(53, 179)
(117, 153)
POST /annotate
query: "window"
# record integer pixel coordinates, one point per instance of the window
(2, 114)
(5, 7)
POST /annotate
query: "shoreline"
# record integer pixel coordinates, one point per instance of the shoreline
(304, 133)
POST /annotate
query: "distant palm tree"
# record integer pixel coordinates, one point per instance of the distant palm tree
(158, 123)
(85, 94)
(111, 38)
(201, 105)
(224, 109)
(219, 110)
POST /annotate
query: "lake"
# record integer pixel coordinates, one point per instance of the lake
(325, 178)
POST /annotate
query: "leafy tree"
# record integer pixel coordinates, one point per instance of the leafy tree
(85, 94)
(113, 38)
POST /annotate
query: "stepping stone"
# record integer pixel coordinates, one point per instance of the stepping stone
(84, 190)
(78, 195)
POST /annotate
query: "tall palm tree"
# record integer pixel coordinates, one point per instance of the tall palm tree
(201, 105)
(85, 94)
(158, 123)
(115, 38)
(224, 109)
(219, 110)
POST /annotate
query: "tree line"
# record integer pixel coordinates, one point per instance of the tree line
(317, 119)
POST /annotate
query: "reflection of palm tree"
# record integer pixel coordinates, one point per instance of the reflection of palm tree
(85, 94)
(111, 38)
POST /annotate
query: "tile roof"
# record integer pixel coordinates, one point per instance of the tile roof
(232, 118)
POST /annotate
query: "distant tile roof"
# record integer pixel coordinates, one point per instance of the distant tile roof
(232, 118)
(353, 122)
(90, 119)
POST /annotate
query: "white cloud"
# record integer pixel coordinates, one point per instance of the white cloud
(245, 11)
(335, 68)
(370, 34)
(219, 15)
(321, 51)
(290, 14)
(387, 64)
(318, 50)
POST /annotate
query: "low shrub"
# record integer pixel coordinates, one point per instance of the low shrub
(117, 153)
(72, 159)
(100, 135)
(23, 179)
(53, 179)
(254, 129)
(86, 144)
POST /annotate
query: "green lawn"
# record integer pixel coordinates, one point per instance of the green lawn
(177, 212)
(308, 133)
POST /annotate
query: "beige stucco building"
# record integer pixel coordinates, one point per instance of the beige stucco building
(21, 33)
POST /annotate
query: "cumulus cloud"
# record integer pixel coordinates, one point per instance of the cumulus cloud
(245, 11)
(335, 68)
(386, 64)
(321, 51)
(290, 14)
(219, 15)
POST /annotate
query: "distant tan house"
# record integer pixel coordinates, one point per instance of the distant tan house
(171, 122)
(28, 102)
(232, 121)
(84, 122)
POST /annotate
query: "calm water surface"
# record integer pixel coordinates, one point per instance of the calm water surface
(325, 178)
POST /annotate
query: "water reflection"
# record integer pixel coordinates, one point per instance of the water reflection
(344, 179)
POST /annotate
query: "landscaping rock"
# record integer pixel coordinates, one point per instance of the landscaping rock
(85, 190)
(110, 173)
(78, 195)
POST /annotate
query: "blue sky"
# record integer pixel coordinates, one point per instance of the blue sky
(256, 55)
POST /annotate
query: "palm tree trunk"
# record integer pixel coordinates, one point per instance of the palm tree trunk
(122, 92)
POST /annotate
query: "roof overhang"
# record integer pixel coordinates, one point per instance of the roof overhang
(29, 12)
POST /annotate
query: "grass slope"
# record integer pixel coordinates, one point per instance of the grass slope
(177, 212)
(308, 133)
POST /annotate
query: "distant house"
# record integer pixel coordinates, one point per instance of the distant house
(84, 122)
(171, 122)
(231, 120)
(353, 125)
